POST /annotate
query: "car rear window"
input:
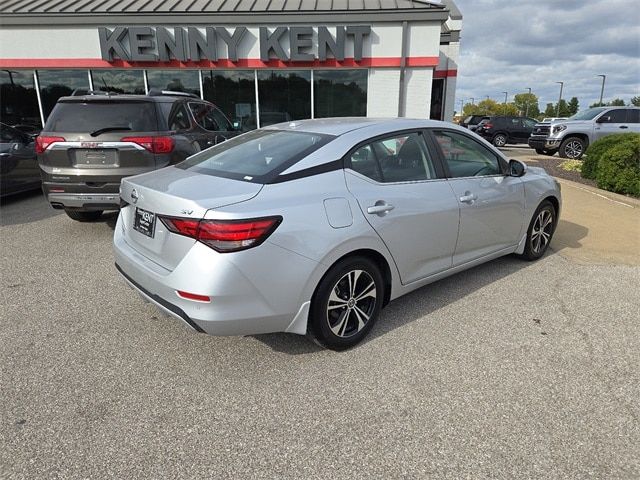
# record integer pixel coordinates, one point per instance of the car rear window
(94, 115)
(258, 156)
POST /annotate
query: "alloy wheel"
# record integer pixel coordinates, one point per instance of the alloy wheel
(541, 231)
(573, 149)
(351, 303)
(500, 141)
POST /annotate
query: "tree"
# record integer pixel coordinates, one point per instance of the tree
(573, 106)
(527, 104)
(635, 101)
(616, 102)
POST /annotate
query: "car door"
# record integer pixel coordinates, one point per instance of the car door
(404, 197)
(633, 119)
(611, 121)
(491, 202)
(18, 162)
(214, 126)
(527, 128)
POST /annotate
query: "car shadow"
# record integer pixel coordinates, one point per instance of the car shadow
(568, 235)
(26, 207)
(414, 305)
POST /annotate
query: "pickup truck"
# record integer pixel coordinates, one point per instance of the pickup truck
(571, 137)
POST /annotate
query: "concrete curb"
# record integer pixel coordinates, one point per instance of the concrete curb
(615, 197)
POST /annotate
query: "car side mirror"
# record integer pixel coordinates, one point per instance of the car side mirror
(517, 168)
(604, 119)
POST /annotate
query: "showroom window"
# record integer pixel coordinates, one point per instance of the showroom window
(19, 101)
(119, 81)
(175, 80)
(284, 95)
(59, 83)
(233, 92)
(340, 93)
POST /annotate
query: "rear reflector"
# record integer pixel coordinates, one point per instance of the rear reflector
(225, 235)
(193, 296)
(43, 142)
(153, 144)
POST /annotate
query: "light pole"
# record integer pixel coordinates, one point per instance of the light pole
(526, 111)
(506, 94)
(559, 99)
(473, 101)
(604, 77)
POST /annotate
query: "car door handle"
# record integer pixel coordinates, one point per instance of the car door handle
(468, 197)
(380, 209)
(623, 126)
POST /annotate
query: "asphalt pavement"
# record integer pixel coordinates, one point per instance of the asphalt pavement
(509, 370)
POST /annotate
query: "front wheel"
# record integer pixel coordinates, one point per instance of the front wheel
(346, 303)
(572, 148)
(83, 216)
(540, 151)
(500, 140)
(541, 229)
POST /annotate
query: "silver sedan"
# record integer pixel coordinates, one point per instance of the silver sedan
(311, 227)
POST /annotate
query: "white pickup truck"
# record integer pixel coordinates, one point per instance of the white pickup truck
(571, 137)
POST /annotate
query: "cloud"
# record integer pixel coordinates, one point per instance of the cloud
(512, 45)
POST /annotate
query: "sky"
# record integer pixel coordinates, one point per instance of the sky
(510, 45)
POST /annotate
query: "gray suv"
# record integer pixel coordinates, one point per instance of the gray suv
(571, 137)
(91, 141)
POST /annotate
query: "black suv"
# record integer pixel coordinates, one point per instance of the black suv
(502, 130)
(94, 139)
(471, 122)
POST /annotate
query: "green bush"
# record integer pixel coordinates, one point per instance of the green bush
(618, 168)
(595, 151)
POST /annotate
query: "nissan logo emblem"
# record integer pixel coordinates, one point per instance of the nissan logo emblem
(134, 195)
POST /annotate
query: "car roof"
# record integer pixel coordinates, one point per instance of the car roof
(341, 125)
(126, 96)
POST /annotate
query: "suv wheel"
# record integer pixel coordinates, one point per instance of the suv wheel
(346, 303)
(83, 216)
(573, 148)
(500, 140)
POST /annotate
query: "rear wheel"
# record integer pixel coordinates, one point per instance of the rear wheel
(346, 303)
(83, 216)
(500, 140)
(540, 231)
(540, 151)
(573, 148)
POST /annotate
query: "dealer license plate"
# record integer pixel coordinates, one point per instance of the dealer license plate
(144, 222)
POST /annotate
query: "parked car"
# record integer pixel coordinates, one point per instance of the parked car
(501, 130)
(571, 137)
(313, 226)
(19, 170)
(91, 141)
(471, 122)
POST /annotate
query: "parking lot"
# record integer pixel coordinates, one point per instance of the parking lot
(509, 370)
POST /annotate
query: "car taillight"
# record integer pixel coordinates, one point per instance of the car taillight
(153, 144)
(43, 142)
(225, 235)
(487, 125)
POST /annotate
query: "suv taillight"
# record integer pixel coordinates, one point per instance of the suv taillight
(487, 125)
(153, 144)
(43, 142)
(225, 235)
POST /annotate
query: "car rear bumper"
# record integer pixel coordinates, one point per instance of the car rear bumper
(250, 291)
(543, 143)
(85, 201)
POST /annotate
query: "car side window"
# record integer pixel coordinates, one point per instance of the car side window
(209, 117)
(179, 118)
(616, 116)
(465, 157)
(403, 158)
(633, 116)
(529, 123)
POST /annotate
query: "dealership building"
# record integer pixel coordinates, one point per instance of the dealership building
(260, 61)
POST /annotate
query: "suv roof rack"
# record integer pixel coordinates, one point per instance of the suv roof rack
(78, 92)
(154, 92)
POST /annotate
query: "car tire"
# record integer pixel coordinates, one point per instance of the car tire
(540, 231)
(540, 151)
(346, 303)
(573, 148)
(499, 140)
(550, 153)
(82, 215)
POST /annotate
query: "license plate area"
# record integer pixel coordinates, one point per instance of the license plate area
(144, 222)
(95, 157)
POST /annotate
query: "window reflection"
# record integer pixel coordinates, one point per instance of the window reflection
(119, 81)
(284, 95)
(340, 93)
(233, 92)
(18, 100)
(174, 80)
(59, 83)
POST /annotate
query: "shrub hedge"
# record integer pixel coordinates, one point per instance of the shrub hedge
(614, 163)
